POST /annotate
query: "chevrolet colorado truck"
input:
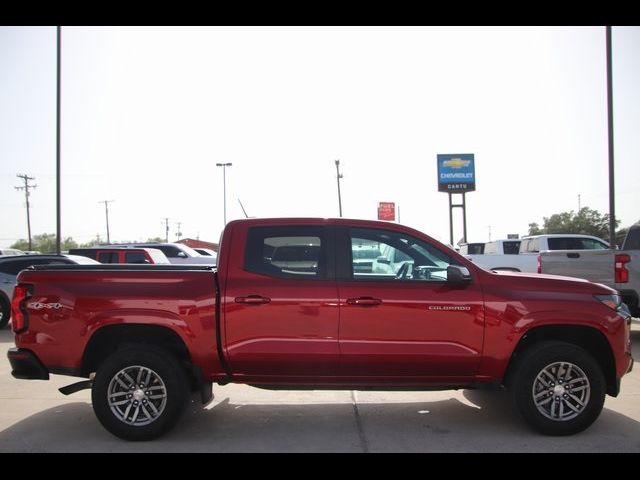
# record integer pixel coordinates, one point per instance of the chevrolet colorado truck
(146, 337)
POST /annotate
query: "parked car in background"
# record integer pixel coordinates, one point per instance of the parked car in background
(207, 252)
(619, 269)
(10, 266)
(10, 251)
(122, 255)
(472, 248)
(561, 241)
(175, 253)
(502, 255)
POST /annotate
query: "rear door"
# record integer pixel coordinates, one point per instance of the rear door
(280, 302)
(409, 322)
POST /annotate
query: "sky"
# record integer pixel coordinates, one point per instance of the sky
(148, 112)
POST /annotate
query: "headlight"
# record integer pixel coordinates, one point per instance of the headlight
(611, 301)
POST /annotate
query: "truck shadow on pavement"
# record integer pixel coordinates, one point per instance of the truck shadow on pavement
(481, 422)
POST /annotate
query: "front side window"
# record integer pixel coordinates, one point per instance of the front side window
(402, 257)
(291, 252)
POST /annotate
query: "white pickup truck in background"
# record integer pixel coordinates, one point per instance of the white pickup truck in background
(503, 254)
(619, 269)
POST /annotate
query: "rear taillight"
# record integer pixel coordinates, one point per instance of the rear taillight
(19, 317)
(621, 272)
(539, 264)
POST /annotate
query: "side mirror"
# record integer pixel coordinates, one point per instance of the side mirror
(384, 260)
(458, 275)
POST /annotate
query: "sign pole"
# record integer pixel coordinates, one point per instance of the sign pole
(457, 174)
(464, 218)
(450, 220)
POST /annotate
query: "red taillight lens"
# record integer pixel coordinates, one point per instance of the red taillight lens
(539, 264)
(19, 320)
(621, 272)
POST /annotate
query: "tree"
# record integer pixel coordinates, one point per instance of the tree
(585, 222)
(45, 243)
(534, 229)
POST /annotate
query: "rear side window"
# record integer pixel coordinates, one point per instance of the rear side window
(169, 250)
(632, 240)
(85, 252)
(108, 257)
(573, 243)
(135, 257)
(511, 248)
(288, 252)
(530, 245)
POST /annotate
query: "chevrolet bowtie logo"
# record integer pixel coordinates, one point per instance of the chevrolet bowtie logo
(456, 163)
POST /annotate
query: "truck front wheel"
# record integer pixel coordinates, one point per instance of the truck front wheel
(139, 392)
(558, 388)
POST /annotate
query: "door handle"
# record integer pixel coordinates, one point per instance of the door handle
(253, 300)
(364, 301)
(573, 255)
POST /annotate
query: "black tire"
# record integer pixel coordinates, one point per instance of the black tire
(161, 405)
(577, 388)
(5, 311)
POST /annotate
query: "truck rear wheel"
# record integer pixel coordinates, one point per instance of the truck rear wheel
(558, 388)
(139, 392)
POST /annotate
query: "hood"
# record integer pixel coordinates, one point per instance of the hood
(553, 282)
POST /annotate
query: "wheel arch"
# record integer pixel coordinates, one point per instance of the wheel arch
(590, 339)
(109, 338)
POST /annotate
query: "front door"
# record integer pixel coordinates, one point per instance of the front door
(399, 318)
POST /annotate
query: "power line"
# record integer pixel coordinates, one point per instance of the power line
(26, 188)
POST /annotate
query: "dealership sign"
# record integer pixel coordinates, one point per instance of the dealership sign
(456, 173)
(387, 211)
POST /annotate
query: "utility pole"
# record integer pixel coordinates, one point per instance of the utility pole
(578, 203)
(339, 176)
(612, 189)
(106, 211)
(178, 233)
(58, 127)
(166, 236)
(224, 187)
(26, 188)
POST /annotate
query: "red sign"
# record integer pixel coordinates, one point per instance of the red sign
(387, 211)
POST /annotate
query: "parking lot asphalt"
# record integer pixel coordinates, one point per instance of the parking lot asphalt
(35, 417)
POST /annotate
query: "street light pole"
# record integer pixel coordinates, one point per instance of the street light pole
(224, 186)
(339, 176)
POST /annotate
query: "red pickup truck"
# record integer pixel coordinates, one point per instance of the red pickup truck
(291, 306)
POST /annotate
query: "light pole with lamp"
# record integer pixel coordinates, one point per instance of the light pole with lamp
(224, 186)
